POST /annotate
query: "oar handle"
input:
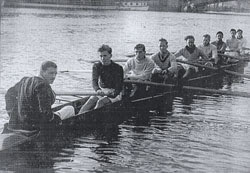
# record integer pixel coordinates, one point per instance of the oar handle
(133, 55)
(197, 64)
(228, 56)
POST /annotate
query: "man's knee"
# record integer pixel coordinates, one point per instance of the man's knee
(102, 102)
(91, 102)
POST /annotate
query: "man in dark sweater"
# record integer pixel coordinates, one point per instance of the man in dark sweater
(107, 81)
(29, 102)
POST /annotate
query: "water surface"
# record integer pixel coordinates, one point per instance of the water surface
(200, 133)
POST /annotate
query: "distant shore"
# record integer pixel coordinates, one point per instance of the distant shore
(61, 6)
(111, 7)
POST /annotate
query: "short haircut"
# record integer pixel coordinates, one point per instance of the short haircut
(163, 40)
(207, 36)
(239, 30)
(105, 47)
(189, 37)
(232, 30)
(140, 46)
(47, 64)
(219, 32)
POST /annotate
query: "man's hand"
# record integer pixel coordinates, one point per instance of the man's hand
(57, 120)
(164, 72)
(100, 92)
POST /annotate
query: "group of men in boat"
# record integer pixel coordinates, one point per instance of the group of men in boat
(29, 102)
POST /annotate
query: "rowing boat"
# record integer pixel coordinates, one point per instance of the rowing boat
(108, 116)
(113, 114)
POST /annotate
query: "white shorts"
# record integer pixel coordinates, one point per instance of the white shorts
(65, 112)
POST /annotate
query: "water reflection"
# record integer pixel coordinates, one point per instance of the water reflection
(66, 147)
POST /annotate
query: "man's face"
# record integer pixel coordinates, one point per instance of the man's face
(140, 53)
(105, 57)
(219, 37)
(49, 75)
(239, 33)
(190, 42)
(233, 33)
(206, 41)
(163, 47)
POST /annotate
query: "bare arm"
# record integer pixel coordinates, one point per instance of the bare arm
(173, 64)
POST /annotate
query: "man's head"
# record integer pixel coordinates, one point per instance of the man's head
(233, 32)
(105, 53)
(163, 45)
(48, 71)
(206, 39)
(239, 33)
(190, 41)
(140, 51)
(219, 35)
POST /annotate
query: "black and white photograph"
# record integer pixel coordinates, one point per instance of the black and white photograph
(125, 86)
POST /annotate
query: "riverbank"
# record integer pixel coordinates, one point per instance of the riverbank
(75, 6)
(59, 6)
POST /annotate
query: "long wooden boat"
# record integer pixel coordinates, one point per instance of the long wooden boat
(113, 114)
(108, 116)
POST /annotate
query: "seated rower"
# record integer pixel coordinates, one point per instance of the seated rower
(190, 53)
(29, 102)
(221, 46)
(210, 50)
(233, 44)
(219, 43)
(107, 81)
(165, 64)
(138, 68)
(242, 41)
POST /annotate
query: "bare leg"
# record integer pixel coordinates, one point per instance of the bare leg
(102, 102)
(89, 104)
(187, 73)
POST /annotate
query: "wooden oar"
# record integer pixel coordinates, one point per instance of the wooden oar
(241, 58)
(214, 68)
(94, 61)
(72, 93)
(77, 71)
(190, 88)
(133, 55)
(196, 64)
(68, 93)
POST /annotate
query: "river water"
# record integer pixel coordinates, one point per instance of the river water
(199, 134)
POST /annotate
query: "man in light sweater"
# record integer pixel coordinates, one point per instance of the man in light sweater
(242, 41)
(138, 68)
(233, 44)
